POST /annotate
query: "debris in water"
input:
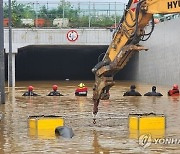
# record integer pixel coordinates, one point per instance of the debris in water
(64, 131)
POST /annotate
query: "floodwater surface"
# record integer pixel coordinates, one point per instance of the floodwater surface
(109, 135)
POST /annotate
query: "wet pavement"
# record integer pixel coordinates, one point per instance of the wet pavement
(109, 135)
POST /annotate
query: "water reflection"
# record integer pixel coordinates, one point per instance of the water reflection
(133, 100)
(81, 102)
(174, 99)
(2, 139)
(98, 149)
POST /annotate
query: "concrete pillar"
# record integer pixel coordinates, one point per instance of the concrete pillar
(2, 70)
(11, 70)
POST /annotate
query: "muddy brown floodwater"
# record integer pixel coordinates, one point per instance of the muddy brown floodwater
(109, 135)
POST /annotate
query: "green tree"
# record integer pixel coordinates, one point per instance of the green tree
(19, 11)
(64, 9)
(43, 12)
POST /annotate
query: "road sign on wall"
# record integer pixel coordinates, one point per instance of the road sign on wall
(72, 35)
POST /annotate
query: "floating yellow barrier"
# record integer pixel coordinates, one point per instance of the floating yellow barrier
(140, 124)
(44, 126)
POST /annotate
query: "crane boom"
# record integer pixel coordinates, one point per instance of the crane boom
(129, 32)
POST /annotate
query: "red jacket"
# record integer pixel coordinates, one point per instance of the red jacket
(173, 92)
(81, 91)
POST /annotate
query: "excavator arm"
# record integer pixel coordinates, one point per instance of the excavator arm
(129, 32)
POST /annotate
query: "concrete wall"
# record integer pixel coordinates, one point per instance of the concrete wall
(161, 64)
(25, 37)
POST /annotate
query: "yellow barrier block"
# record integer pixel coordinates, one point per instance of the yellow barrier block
(45, 122)
(135, 134)
(42, 133)
(140, 124)
(146, 121)
(44, 126)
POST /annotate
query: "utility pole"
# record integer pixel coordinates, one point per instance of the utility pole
(63, 3)
(89, 14)
(11, 82)
(115, 17)
(2, 70)
(36, 11)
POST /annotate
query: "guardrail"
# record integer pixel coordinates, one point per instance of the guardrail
(169, 17)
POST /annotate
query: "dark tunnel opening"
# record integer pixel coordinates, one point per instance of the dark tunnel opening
(57, 62)
(61, 62)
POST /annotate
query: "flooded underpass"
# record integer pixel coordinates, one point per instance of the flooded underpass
(72, 62)
(109, 135)
(57, 62)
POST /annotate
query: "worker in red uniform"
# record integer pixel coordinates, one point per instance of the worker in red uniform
(81, 90)
(174, 91)
(30, 92)
(55, 92)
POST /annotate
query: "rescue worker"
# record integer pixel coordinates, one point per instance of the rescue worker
(30, 92)
(174, 91)
(55, 92)
(153, 93)
(132, 92)
(81, 90)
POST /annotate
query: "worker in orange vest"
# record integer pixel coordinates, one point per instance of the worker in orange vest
(81, 90)
(174, 91)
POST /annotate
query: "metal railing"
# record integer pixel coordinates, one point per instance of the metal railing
(86, 14)
(169, 17)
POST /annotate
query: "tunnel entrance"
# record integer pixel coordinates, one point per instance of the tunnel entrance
(57, 62)
(64, 62)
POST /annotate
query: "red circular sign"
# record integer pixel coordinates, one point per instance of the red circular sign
(72, 35)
